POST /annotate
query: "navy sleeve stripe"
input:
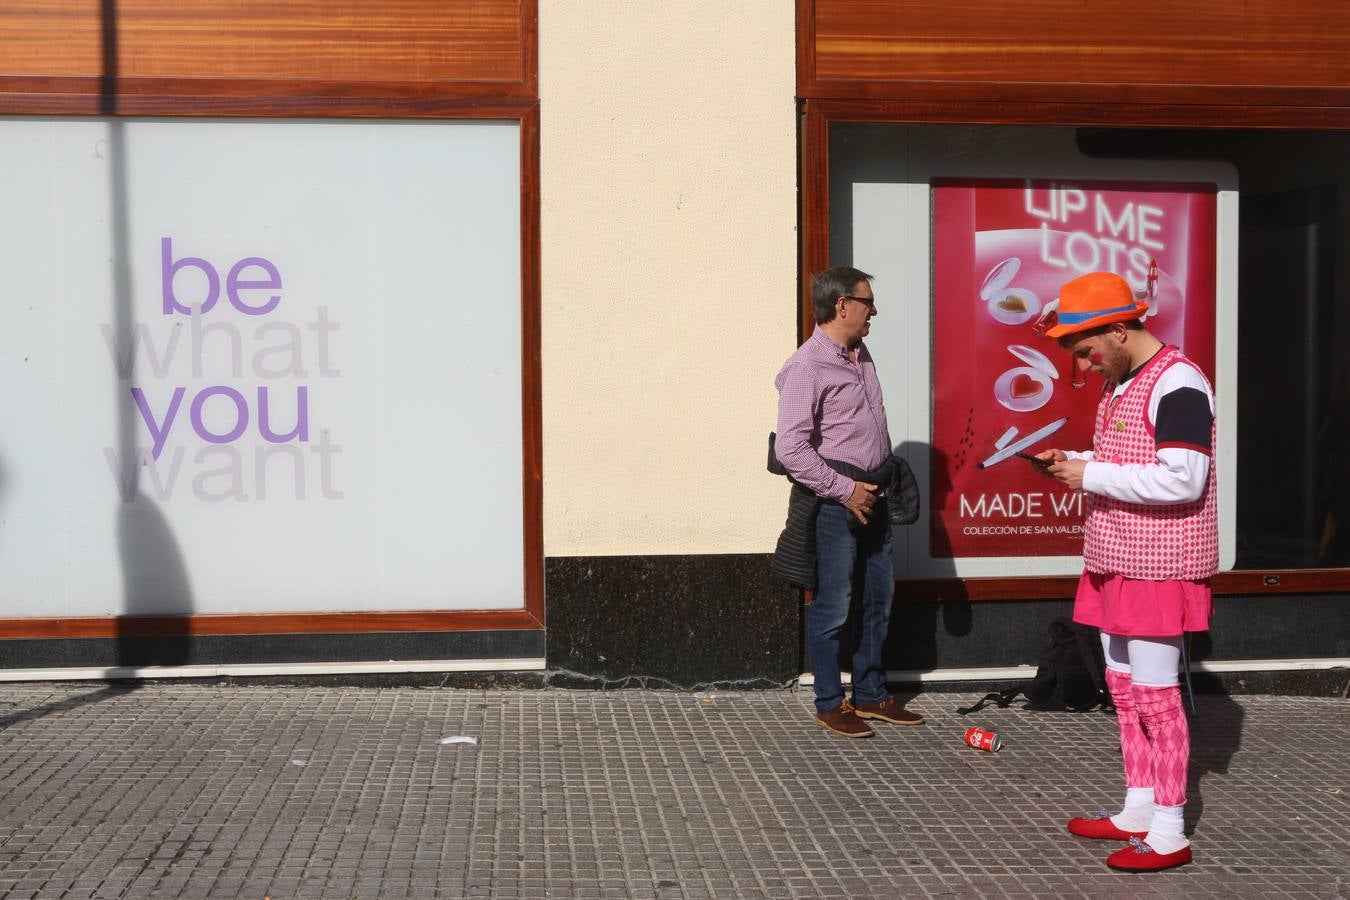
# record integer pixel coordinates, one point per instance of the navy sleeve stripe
(1184, 418)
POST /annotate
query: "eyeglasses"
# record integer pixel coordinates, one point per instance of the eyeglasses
(869, 301)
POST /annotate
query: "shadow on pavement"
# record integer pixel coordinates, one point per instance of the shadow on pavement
(60, 706)
(1216, 735)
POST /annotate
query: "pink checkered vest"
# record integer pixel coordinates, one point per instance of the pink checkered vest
(1152, 542)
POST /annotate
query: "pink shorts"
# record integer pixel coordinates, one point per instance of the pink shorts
(1138, 608)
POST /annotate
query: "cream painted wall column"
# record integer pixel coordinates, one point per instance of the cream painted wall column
(668, 142)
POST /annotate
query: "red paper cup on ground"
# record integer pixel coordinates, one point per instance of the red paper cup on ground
(983, 740)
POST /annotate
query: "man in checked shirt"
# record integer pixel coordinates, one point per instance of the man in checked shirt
(831, 432)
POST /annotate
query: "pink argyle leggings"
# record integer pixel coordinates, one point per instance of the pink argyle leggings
(1155, 739)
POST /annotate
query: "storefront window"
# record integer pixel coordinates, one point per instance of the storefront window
(1281, 256)
(261, 366)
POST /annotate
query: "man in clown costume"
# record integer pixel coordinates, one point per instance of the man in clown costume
(1149, 548)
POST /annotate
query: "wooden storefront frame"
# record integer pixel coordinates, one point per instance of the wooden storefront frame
(958, 101)
(110, 93)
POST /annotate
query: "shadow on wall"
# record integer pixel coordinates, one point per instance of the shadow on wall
(154, 578)
(4, 478)
(913, 640)
(157, 595)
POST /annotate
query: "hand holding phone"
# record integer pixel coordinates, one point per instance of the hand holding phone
(1037, 461)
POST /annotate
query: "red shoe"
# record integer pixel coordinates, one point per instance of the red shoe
(1140, 857)
(1100, 827)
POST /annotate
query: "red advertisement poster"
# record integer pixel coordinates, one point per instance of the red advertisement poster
(1001, 251)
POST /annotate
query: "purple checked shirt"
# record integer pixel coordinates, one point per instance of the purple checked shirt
(829, 407)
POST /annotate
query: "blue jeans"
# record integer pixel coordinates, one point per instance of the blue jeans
(845, 558)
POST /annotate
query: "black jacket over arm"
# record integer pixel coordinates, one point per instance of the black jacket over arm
(794, 558)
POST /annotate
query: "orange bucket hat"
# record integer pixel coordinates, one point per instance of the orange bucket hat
(1097, 298)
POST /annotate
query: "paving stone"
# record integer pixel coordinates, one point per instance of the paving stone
(193, 791)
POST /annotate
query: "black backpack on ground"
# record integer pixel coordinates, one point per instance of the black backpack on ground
(1070, 675)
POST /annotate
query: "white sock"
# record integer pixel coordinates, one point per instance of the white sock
(1138, 812)
(1165, 834)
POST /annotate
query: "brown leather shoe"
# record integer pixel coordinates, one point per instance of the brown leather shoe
(889, 710)
(843, 720)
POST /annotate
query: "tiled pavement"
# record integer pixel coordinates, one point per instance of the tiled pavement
(199, 791)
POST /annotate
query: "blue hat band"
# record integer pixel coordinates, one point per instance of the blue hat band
(1078, 318)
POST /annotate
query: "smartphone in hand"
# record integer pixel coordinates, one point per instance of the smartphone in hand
(1037, 461)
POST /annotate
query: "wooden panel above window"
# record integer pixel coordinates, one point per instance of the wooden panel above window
(1143, 51)
(426, 49)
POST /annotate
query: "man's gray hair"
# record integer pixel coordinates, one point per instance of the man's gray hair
(829, 286)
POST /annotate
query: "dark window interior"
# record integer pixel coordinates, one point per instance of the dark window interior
(1293, 484)
(1293, 429)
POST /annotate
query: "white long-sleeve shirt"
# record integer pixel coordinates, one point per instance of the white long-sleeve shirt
(1184, 449)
